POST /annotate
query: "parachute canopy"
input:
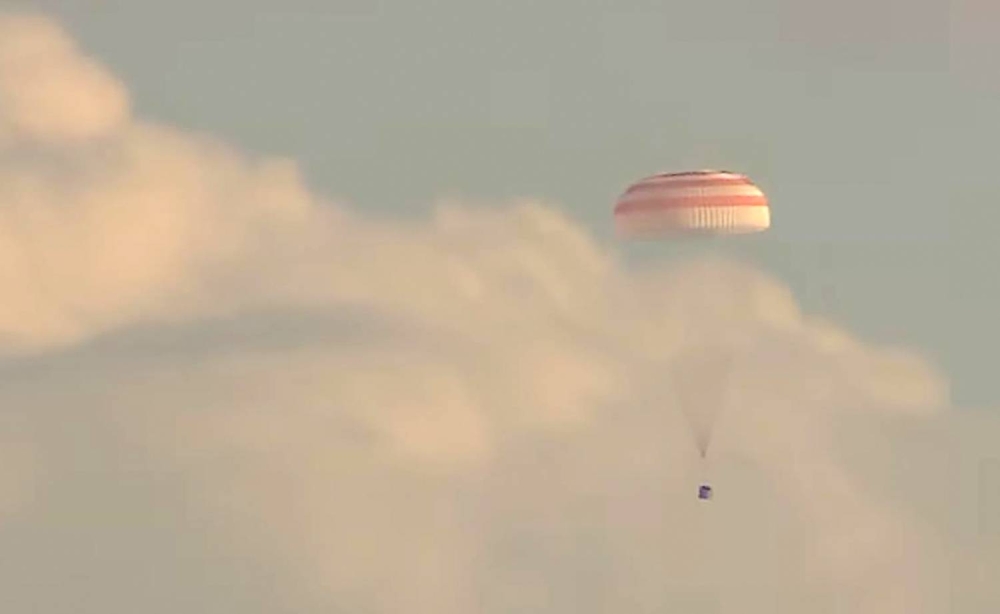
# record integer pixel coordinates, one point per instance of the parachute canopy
(694, 202)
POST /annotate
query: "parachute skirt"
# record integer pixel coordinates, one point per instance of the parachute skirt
(704, 220)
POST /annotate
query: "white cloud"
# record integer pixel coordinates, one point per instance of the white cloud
(49, 92)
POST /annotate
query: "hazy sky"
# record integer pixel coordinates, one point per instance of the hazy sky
(872, 125)
(315, 307)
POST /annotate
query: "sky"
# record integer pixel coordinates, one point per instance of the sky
(319, 309)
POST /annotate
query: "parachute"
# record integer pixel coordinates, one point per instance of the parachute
(695, 204)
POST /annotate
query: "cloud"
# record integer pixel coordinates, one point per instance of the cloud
(107, 220)
(466, 412)
(49, 92)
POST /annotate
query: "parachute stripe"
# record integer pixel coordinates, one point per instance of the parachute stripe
(680, 202)
(707, 190)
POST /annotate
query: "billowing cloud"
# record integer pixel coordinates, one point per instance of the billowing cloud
(49, 92)
(106, 220)
(468, 412)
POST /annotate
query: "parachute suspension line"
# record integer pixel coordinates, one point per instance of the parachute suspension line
(699, 378)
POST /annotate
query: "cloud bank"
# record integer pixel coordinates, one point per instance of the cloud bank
(469, 412)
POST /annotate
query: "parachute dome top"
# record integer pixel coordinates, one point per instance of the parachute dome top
(711, 202)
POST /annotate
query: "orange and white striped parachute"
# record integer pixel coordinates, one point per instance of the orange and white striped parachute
(698, 202)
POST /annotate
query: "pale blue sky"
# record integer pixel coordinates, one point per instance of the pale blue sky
(871, 126)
